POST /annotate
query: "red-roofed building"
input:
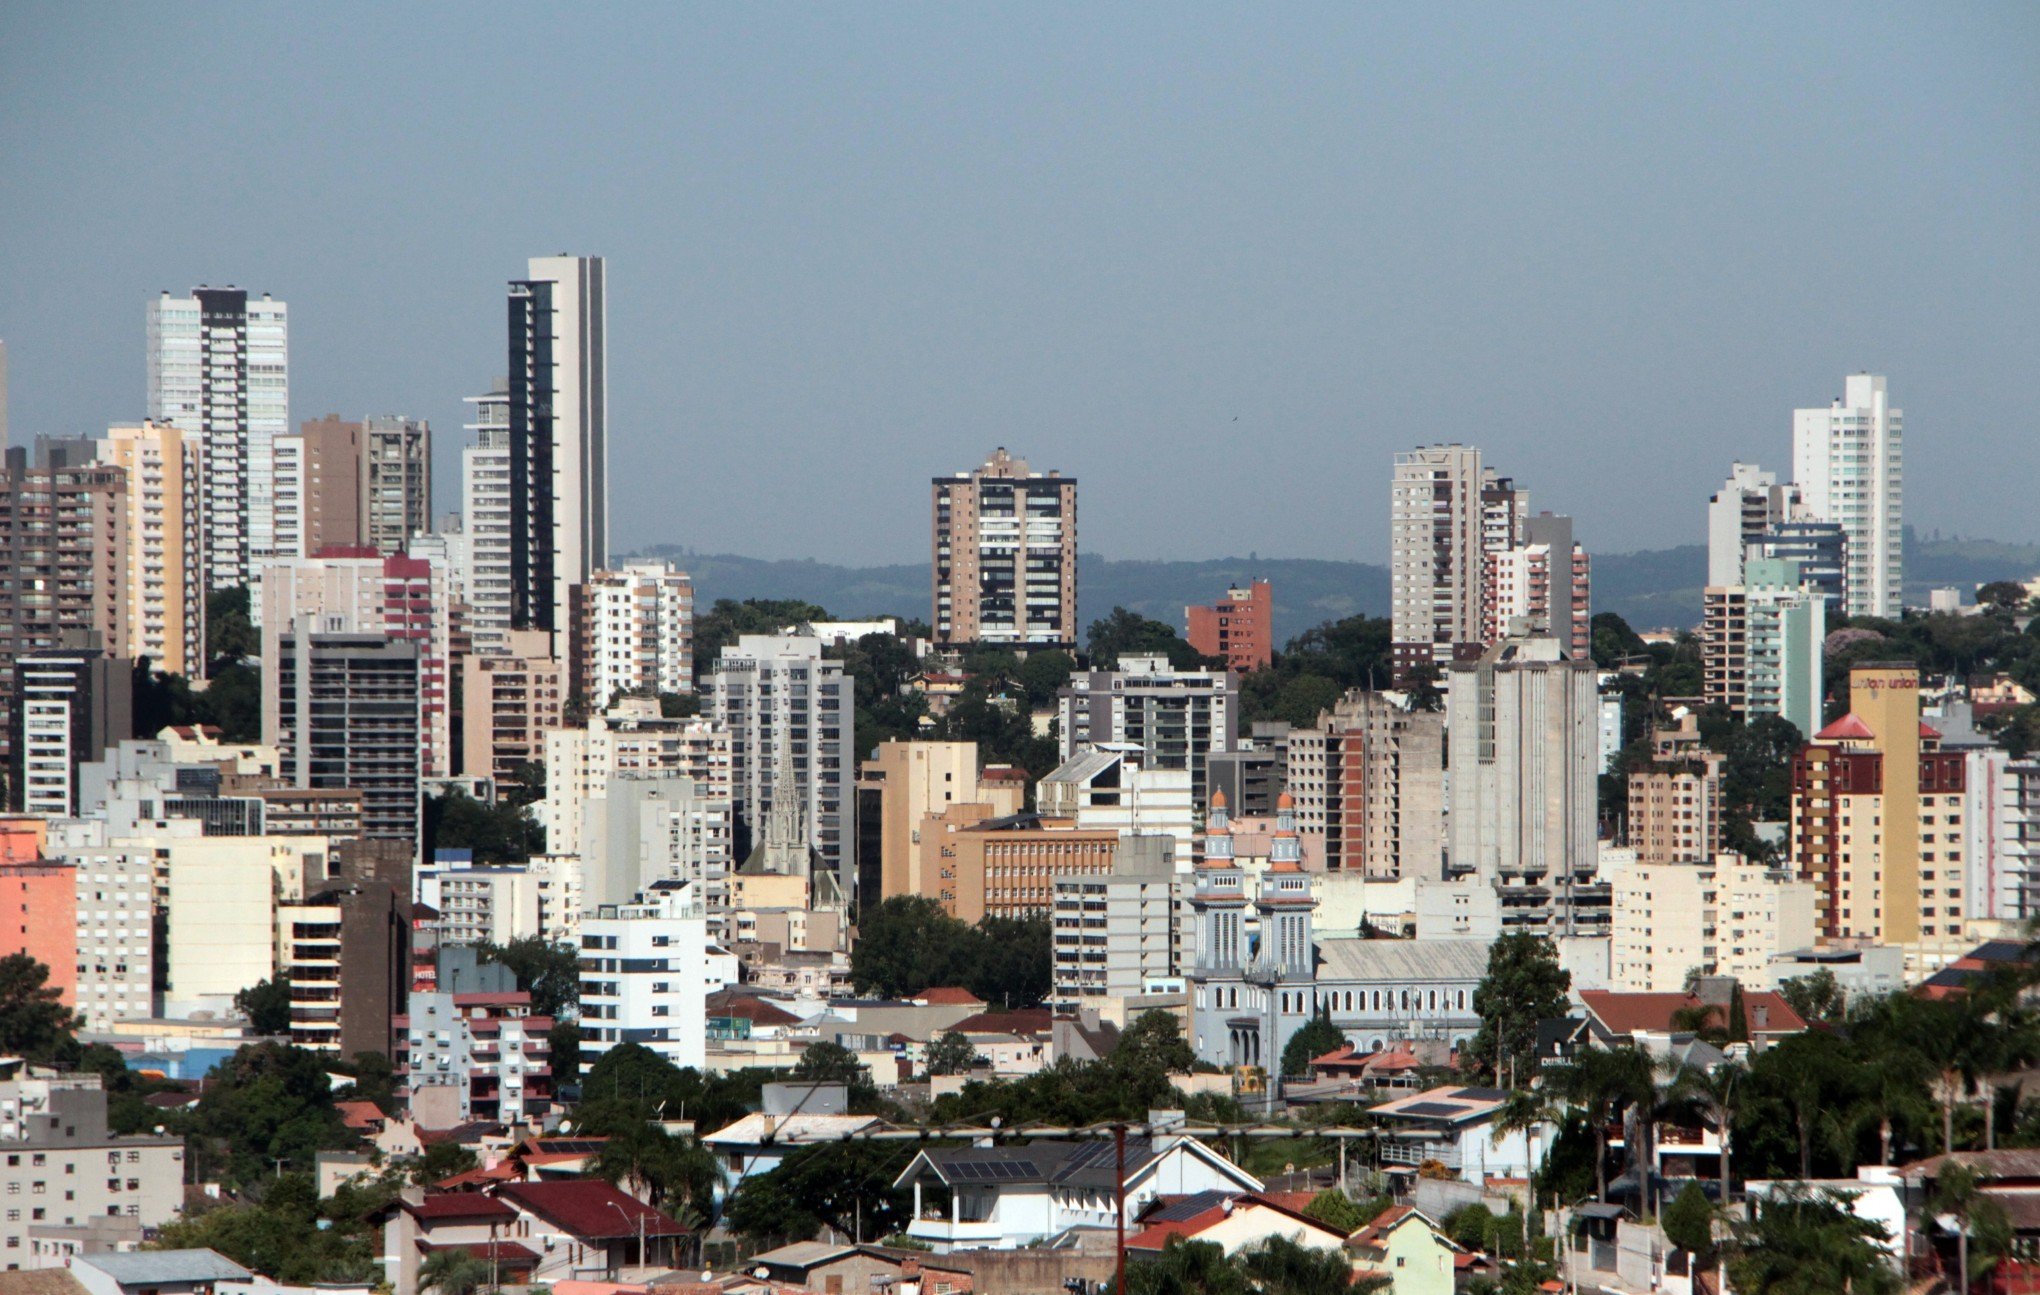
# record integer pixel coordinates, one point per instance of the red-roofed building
(1621, 1017)
(414, 1228)
(1235, 1221)
(947, 996)
(584, 1226)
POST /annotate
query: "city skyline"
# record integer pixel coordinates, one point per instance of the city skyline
(1358, 262)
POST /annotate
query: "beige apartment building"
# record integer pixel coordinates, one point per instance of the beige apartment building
(1675, 810)
(1725, 916)
(1876, 824)
(318, 487)
(67, 1180)
(906, 783)
(1369, 785)
(161, 581)
(1005, 556)
(509, 703)
(978, 865)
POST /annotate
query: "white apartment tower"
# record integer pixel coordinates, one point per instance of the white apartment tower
(1849, 463)
(789, 715)
(633, 633)
(485, 521)
(1748, 505)
(558, 406)
(647, 969)
(1435, 547)
(219, 371)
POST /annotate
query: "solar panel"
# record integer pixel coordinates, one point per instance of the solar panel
(989, 1171)
(1432, 1108)
(1483, 1094)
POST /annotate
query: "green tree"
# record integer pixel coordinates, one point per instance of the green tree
(721, 624)
(232, 701)
(823, 1062)
(1689, 1222)
(1816, 997)
(1043, 675)
(1809, 1244)
(906, 944)
(563, 1049)
(268, 1103)
(1524, 985)
(1187, 1268)
(34, 1022)
(952, 1054)
(441, 1161)
(503, 832)
(1605, 1082)
(375, 1080)
(845, 1185)
(230, 633)
(1802, 1087)
(453, 1271)
(550, 973)
(1014, 962)
(1317, 1037)
(266, 1004)
(1124, 633)
(1331, 1208)
(1716, 1095)
(1979, 1217)
(1150, 1050)
(1281, 1266)
(1614, 642)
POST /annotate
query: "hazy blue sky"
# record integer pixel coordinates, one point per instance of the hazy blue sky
(1217, 262)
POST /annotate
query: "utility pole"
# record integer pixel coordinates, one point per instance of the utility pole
(1119, 1213)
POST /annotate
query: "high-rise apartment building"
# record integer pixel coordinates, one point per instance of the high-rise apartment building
(1522, 724)
(356, 591)
(1762, 644)
(633, 632)
(1822, 551)
(486, 521)
(318, 487)
(558, 407)
(1722, 915)
(1437, 523)
(219, 368)
(1117, 933)
(790, 715)
(345, 952)
(161, 583)
(66, 708)
(1849, 462)
(1675, 809)
(1239, 628)
(1748, 505)
(64, 1170)
(647, 969)
(509, 703)
(348, 715)
(631, 740)
(1178, 718)
(1542, 585)
(1005, 556)
(396, 481)
(64, 548)
(1368, 780)
(903, 785)
(1875, 810)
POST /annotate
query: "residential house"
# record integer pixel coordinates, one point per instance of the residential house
(1234, 1221)
(158, 1272)
(1617, 1017)
(1410, 1249)
(585, 1229)
(1002, 1197)
(758, 1143)
(1453, 1128)
(417, 1225)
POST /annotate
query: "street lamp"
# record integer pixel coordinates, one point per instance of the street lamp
(638, 1222)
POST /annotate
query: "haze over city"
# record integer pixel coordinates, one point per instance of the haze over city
(1233, 255)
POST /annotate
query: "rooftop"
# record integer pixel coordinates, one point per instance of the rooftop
(590, 1208)
(166, 1267)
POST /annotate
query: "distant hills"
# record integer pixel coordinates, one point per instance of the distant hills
(1659, 587)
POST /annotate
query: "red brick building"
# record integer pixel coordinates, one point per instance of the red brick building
(1239, 627)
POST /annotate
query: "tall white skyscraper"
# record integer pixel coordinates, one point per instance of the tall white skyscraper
(485, 522)
(559, 436)
(219, 370)
(1748, 505)
(1849, 464)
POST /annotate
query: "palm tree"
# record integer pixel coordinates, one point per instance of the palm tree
(1605, 1082)
(1527, 1111)
(1717, 1095)
(1958, 1190)
(1800, 1244)
(1186, 1268)
(2005, 1038)
(1279, 1266)
(452, 1272)
(1894, 1076)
